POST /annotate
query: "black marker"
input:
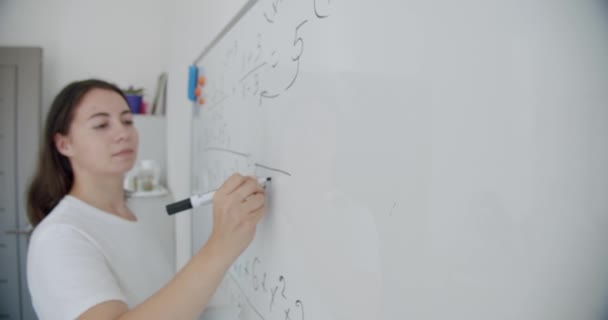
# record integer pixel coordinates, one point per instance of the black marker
(198, 200)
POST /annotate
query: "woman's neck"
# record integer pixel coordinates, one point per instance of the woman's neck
(103, 192)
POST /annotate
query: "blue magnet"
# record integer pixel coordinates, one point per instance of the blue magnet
(192, 81)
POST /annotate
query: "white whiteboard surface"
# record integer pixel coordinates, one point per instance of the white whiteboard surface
(430, 159)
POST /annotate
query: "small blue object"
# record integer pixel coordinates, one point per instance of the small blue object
(134, 101)
(192, 77)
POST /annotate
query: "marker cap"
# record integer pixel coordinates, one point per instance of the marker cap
(179, 206)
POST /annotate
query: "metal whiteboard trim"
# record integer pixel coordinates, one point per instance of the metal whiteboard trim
(227, 28)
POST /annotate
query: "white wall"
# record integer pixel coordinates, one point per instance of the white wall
(119, 41)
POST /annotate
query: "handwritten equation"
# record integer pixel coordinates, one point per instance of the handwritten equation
(265, 295)
(215, 132)
(266, 64)
(260, 60)
(218, 169)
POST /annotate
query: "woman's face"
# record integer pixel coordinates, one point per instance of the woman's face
(102, 138)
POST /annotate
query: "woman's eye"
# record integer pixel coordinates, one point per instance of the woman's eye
(101, 126)
(128, 122)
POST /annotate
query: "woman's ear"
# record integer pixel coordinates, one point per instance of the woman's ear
(63, 145)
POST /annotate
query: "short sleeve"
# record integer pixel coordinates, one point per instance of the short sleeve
(67, 273)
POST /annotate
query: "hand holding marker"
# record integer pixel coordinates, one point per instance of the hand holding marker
(199, 200)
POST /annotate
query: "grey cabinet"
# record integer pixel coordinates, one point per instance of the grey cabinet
(20, 118)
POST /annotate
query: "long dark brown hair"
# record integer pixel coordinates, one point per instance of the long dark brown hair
(54, 176)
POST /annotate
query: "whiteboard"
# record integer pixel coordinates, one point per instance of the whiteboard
(430, 159)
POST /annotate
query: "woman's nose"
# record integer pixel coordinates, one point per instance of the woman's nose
(123, 131)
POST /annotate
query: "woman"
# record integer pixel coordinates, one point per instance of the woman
(86, 239)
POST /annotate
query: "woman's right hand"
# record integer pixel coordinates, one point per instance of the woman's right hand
(238, 206)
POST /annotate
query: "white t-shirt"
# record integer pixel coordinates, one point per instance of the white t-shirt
(80, 256)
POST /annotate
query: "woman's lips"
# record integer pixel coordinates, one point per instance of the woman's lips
(125, 152)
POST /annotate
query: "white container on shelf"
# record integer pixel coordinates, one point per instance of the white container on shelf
(148, 176)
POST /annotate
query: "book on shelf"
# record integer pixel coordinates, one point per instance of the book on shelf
(159, 104)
